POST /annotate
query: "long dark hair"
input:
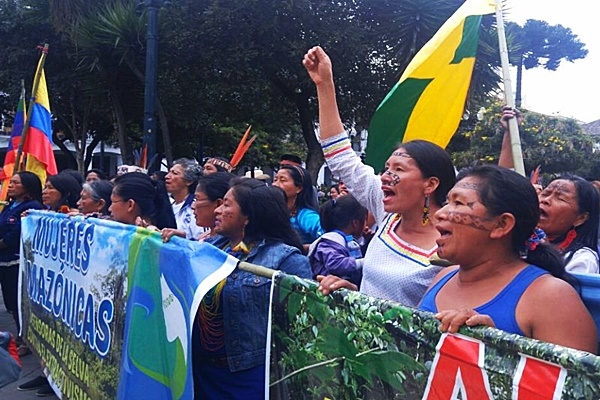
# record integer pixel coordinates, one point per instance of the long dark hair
(69, 188)
(32, 184)
(150, 196)
(588, 201)
(433, 161)
(214, 186)
(267, 212)
(504, 191)
(307, 197)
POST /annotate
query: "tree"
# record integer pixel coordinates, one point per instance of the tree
(556, 144)
(538, 44)
(247, 58)
(225, 64)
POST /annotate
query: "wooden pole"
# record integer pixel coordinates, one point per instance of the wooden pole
(513, 126)
(256, 269)
(36, 83)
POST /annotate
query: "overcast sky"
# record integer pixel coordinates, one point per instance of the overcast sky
(573, 90)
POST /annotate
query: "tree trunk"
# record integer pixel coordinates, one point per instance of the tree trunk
(164, 129)
(120, 125)
(89, 153)
(315, 158)
(72, 161)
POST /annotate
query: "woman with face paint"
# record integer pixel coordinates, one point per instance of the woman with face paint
(505, 276)
(403, 200)
(569, 211)
(569, 208)
(252, 223)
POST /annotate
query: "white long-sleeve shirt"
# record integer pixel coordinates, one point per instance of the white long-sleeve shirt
(393, 269)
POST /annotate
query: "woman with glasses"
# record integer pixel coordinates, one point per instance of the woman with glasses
(137, 199)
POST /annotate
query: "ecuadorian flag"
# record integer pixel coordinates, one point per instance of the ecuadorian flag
(428, 101)
(38, 142)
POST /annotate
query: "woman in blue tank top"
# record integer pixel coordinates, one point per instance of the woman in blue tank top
(485, 225)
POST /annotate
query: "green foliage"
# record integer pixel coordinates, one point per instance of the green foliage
(539, 44)
(222, 65)
(558, 145)
(347, 351)
(350, 346)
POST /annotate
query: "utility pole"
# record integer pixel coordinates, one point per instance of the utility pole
(153, 7)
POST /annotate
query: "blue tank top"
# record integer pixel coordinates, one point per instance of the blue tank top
(502, 307)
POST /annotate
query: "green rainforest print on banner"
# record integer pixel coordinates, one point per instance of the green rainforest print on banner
(351, 346)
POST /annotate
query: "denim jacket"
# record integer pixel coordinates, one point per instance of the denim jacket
(246, 300)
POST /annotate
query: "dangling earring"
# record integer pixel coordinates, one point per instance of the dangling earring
(426, 210)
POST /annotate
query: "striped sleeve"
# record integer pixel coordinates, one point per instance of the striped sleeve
(361, 180)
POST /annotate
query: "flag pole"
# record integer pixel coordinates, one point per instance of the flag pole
(256, 269)
(36, 83)
(513, 126)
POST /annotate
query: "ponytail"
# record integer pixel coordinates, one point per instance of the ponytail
(546, 256)
(163, 214)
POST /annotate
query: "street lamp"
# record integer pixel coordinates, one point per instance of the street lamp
(150, 89)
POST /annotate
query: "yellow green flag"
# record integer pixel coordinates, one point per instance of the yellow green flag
(428, 100)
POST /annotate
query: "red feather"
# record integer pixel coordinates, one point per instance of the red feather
(242, 148)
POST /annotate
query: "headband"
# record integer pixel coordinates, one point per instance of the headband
(301, 172)
(220, 163)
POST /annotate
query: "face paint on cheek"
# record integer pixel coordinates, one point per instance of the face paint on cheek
(474, 221)
(395, 178)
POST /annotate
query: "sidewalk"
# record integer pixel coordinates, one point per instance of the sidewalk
(31, 364)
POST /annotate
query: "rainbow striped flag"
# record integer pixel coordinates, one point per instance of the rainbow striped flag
(428, 101)
(13, 144)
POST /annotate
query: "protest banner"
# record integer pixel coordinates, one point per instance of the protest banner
(350, 346)
(109, 307)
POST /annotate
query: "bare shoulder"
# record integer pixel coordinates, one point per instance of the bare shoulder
(552, 298)
(551, 310)
(550, 287)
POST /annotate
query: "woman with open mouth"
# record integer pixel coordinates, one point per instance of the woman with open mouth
(403, 199)
(505, 276)
(569, 208)
(569, 211)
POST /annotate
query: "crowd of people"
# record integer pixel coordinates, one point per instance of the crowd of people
(511, 249)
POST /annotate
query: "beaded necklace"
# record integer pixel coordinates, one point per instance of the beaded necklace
(569, 238)
(212, 327)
